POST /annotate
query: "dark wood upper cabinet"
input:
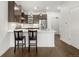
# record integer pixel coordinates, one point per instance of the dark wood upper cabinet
(13, 15)
(11, 5)
(26, 18)
(43, 17)
(36, 19)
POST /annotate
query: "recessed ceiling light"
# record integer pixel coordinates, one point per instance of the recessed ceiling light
(47, 8)
(35, 7)
(58, 8)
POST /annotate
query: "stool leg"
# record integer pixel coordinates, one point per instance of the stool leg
(22, 45)
(36, 45)
(29, 46)
(15, 47)
(25, 42)
(18, 43)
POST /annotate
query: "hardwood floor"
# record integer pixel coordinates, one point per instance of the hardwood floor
(61, 50)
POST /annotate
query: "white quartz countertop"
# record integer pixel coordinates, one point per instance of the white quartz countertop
(26, 30)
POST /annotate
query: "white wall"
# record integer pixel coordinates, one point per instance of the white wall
(4, 39)
(69, 26)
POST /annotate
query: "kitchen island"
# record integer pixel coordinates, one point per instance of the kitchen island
(45, 38)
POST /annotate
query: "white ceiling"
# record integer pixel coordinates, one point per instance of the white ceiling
(52, 5)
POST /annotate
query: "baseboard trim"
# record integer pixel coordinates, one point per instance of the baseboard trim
(69, 42)
(5, 52)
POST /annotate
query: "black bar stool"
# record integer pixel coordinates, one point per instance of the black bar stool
(32, 35)
(18, 35)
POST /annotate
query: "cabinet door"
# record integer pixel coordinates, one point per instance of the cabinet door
(26, 18)
(35, 19)
(13, 15)
(11, 11)
(43, 17)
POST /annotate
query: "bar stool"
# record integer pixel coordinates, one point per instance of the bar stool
(32, 35)
(18, 35)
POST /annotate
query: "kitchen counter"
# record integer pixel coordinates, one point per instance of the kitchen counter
(26, 30)
(45, 38)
